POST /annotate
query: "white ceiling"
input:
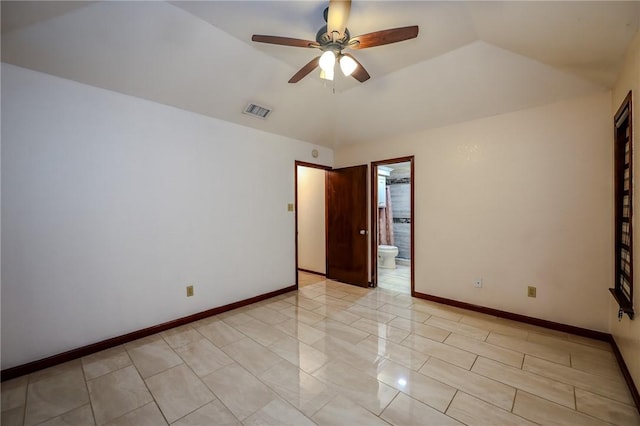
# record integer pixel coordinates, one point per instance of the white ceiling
(470, 60)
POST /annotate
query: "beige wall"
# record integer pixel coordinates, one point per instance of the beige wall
(99, 239)
(311, 220)
(627, 332)
(518, 199)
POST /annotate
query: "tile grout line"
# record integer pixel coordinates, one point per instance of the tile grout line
(86, 385)
(152, 396)
(130, 411)
(524, 390)
(575, 386)
(451, 402)
(24, 420)
(184, 362)
(390, 402)
(474, 363)
(275, 392)
(217, 397)
(26, 399)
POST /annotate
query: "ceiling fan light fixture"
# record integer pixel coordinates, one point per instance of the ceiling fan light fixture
(348, 65)
(326, 75)
(328, 61)
(333, 38)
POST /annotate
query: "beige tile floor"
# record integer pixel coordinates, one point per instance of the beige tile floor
(333, 354)
(398, 279)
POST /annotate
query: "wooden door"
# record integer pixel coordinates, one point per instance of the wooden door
(347, 225)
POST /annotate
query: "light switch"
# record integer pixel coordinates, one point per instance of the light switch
(290, 207)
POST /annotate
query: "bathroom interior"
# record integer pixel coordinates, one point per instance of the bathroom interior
(394, 226)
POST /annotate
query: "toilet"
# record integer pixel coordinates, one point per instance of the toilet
(387, 256)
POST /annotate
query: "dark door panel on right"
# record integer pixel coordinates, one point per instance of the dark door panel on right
(347, 225)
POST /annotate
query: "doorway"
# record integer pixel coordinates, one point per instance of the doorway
(392, 219)
(341, 249)
(310, 211)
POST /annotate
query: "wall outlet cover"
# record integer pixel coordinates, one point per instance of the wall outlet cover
(477, 283)
(189, 290)
(531, 291)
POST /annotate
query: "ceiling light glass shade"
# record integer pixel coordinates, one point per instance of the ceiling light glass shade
(327, 75)
(327, 61)
(347, 65)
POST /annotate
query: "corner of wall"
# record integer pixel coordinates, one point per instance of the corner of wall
(626, 332)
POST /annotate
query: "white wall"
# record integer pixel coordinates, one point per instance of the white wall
(311, 220)
(517, 199)
(111, 205)
(626, 332)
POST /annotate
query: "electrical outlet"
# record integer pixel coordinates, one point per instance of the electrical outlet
(531, 291)
(290, 207)
(477, 283)
(189, 290)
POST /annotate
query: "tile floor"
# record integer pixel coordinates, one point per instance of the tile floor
(305, 278)
(398, 279)
(333, 354)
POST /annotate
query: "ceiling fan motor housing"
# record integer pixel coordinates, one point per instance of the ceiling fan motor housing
(327, 42)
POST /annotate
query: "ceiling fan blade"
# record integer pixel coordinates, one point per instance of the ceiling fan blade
(380, 38)
(360, 73)
(312, 65)
(338, 15)
(284, 41)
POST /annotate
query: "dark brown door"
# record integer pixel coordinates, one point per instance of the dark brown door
(346, 225)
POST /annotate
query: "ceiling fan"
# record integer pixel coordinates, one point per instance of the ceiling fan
(333, 38)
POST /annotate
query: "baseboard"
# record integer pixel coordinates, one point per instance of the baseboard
(598, 335)
(625, 372)
(585, 332)
(21, 370)
(308, 271)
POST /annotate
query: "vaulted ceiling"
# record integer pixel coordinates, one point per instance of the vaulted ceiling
(470, 60)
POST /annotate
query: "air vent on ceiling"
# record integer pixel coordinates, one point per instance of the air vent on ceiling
(257, 111)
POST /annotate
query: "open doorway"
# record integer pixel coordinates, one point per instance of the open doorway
(310, 208)
(331, 223)
(392, 214)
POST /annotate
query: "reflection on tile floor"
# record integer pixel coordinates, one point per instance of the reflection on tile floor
(398, 279)
(331, 354)
(305, 278)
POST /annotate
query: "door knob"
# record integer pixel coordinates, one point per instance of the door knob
(363, 232)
